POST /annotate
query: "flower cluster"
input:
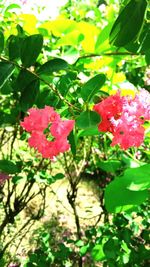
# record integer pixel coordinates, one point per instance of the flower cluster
(124, 117)
(48, 132)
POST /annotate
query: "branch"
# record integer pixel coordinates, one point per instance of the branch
(42, 80)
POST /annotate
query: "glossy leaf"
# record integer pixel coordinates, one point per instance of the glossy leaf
(14, 44)
(6, 70)
(92, 86)
(129, 23)
(30, 49)
(24, 79)
(29, 95)
(87, 119)
(50, 66)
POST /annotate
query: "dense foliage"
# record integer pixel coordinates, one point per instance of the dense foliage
(75, 106)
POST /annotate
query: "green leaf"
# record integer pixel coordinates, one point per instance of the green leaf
(1, 41)
(8, 166)
(79, 243)
(92, 86)
(30, 49)
(145, 38)
(87, 119)
(29, 95)
(72, 142)
(138, 178)
(58, 176)
(110, 249)
(83, 250)
(6, 89)
(103, 36)
(129, 23)
(119, 198)
(14, 44)
(89, 132)
(110, 165)
(50, 66)
(6, 70)
(98, 253)
(12, 6)
(24, 78)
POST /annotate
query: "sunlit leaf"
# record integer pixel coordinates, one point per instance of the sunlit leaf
(92, 86)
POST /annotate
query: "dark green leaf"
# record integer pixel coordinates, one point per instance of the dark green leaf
(129, 23)
(29, 95)
(24, 78)
(110, 249)
(72, 142)
(6, 88)
(14, 44)
(145, 38)
(1, 42)
(6, 70)
(30, 49)
(8, 166)
(92, 86)
(50, 66)
(147, 57)
(58, 176)
(88, 119)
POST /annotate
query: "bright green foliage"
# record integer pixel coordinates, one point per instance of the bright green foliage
(72, 63)
(129, 190)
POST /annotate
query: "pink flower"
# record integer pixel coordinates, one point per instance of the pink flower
(124, 118)
(61, 128)
(128, 133)
(109, 108)
(48, 132)
(39, 119)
